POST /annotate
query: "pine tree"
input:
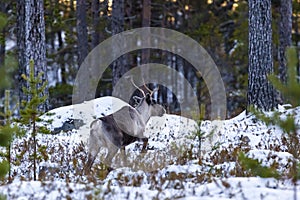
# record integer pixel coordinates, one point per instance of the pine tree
(3, 23)
(288, 124)
(82, 32)
(260, 91)
(119, 66)
(31, 114)
(255, 167)
(285, 35)
(31, 43)
(291, 89)
(7, 62)
(8, 132)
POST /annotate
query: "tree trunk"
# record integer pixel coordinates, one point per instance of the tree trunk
(96, 22)
(31, 43)
(82, 36)
(146, 22)
(2, 36)
(2, 47)
(117, 24)
(260, 92)
(285, 35)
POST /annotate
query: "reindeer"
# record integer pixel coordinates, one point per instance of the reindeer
(121, 128)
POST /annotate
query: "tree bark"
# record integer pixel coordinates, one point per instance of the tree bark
(96, 22)
(146, 22)
(285, 35)
(82, 35)
(2, 36)
(31, 43)
(117, 23)
(260, 92)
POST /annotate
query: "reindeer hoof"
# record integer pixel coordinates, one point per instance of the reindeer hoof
(144, 150)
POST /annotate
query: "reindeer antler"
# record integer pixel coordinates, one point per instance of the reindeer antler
(151, 92)
(131, 79)
(147, 87)
(156, 89)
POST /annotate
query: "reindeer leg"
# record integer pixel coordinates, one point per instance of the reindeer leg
(109, 158)
(94, 148)
(90, 162)
(123, 155)
(145, 143)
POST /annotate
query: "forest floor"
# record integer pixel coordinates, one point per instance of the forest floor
(172, 168)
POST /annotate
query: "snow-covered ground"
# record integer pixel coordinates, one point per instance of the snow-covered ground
(173, 166)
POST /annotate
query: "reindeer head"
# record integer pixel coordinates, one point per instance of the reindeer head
(155, 108)
(147, 104)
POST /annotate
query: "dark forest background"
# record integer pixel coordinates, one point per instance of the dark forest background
(74, 28)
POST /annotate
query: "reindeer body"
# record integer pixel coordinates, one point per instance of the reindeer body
(121, 128)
